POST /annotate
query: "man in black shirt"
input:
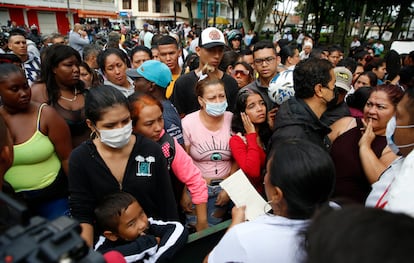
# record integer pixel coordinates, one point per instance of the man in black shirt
(210, 51)
(299, 117)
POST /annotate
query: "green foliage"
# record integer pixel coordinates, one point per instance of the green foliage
(324, 39)
(384, 14)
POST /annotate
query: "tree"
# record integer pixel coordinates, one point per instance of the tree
(280, 17)
(190, 11)
(246, 9)
(231, 4)
(383, 15)
(320, 8)
(404, 11)
(383, 19)
(262, 9)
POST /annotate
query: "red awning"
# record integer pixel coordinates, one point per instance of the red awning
(36, 8)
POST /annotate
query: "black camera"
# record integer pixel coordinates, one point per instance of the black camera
(38, 240)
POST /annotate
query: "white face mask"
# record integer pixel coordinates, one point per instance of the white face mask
(116, 138)
(216, 109)
(391, 126)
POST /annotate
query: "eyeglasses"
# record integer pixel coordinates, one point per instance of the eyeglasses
(268, 60)
(240, 71)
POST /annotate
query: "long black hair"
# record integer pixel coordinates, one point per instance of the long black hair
(237, 123)
(304, 172)
(54, 55)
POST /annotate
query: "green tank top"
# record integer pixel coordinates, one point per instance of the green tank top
(36, 164)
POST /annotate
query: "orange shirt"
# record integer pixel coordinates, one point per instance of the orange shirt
(170, 87)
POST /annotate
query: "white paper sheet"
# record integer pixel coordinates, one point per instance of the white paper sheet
(242, 192)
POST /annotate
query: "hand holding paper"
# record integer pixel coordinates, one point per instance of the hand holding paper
(242, 192)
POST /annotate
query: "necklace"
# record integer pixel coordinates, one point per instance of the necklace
(72, 99)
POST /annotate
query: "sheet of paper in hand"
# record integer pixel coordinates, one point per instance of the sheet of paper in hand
(242, 192)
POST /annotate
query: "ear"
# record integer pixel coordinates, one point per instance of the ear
(151, 88)
(200, 101)
(90, 125)
(229, 69)
(318, 90)
(277, 195)
(198, 49)
(110, 235)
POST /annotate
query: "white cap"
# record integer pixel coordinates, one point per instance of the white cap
(343, 78)
(211, 37)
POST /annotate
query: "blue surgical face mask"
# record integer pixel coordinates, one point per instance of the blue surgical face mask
(391, 126)
(216, 109)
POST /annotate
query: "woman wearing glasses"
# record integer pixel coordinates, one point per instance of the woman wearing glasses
(242, 73)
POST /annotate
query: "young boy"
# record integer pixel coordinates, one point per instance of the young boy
(126, 229)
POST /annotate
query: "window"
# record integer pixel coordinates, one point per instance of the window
(157, 6)
(177, 5)
(143, 5)
(161, 6)
(126, 4)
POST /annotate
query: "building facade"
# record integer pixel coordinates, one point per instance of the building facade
(59, 15)
(155, 12)
(166, 12)
(54, 15)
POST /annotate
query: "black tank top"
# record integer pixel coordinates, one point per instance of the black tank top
(76, 121)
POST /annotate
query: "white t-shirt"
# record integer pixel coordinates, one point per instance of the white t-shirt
(265, 239)
(378, 197)
(401, 194)
(186, 31)
(193, 45)
(147, 39)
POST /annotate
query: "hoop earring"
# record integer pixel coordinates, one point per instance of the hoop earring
(93, 135)
(268, 207)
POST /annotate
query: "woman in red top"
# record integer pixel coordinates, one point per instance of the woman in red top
(251, 134)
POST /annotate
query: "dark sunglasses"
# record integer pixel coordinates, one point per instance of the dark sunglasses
(240, 71)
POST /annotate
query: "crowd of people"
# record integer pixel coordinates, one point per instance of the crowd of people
(134, 141)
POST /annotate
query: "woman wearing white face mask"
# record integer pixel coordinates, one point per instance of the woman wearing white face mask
(206, 139)
(115, 159)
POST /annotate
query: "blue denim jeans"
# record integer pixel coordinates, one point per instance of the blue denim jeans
(212, 208)
(54, 209)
